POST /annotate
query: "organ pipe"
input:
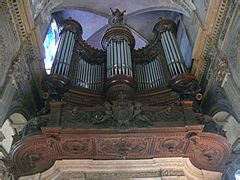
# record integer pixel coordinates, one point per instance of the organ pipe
(165, 29)
(118, 42)
(62, 62)
(89, 75)
(149, 75)
(119, 60)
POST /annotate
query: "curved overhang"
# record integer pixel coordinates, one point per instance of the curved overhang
(37, 153)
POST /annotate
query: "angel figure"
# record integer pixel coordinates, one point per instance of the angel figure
(118, 16)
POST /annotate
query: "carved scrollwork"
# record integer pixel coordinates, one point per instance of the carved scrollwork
(146, 54)
(123, 147)
(170, 145)
(33, 127)
(185, 84)
(208, 153)
(76, 146)
(32, 157)
(54, 87)
(90, 54)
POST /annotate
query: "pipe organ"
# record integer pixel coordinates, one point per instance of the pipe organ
(118, 42)
(89, 75)
(149, 75)
(164, 29)
(118, 58)
(118, 103)
(71, 30)
(118, 70)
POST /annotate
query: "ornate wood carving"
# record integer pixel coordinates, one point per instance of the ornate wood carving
(89, 53)
(148, 53)
(118, 32)
(37, 153)
(185, 84)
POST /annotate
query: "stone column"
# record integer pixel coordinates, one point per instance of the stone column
(71, 31)
(165, 30)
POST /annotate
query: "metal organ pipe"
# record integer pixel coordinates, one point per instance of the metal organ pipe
(85, 75)
(89, 75)
(125, 57)
(118, 58)
(119, 63)
(168, 59)
(118, 41)
(154, 74)
(62, 62)
(164, 30)
(149, 75)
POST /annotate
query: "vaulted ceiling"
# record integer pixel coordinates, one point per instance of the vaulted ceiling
(94, 15)
(95, 24)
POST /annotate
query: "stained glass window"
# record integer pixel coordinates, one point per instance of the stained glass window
(50, 45)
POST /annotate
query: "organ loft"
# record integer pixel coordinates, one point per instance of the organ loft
(115, 106)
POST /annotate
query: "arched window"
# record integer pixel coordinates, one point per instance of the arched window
(50, 45)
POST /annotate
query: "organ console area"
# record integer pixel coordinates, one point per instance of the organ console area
(119, 67)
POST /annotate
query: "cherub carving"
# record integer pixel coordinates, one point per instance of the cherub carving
(138, 116)
(108, 114)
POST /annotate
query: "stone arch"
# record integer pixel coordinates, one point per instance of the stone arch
(11, 128)
(230, 126)
(15, 108)
(223, 106)
(185, 8)
(9, 131)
